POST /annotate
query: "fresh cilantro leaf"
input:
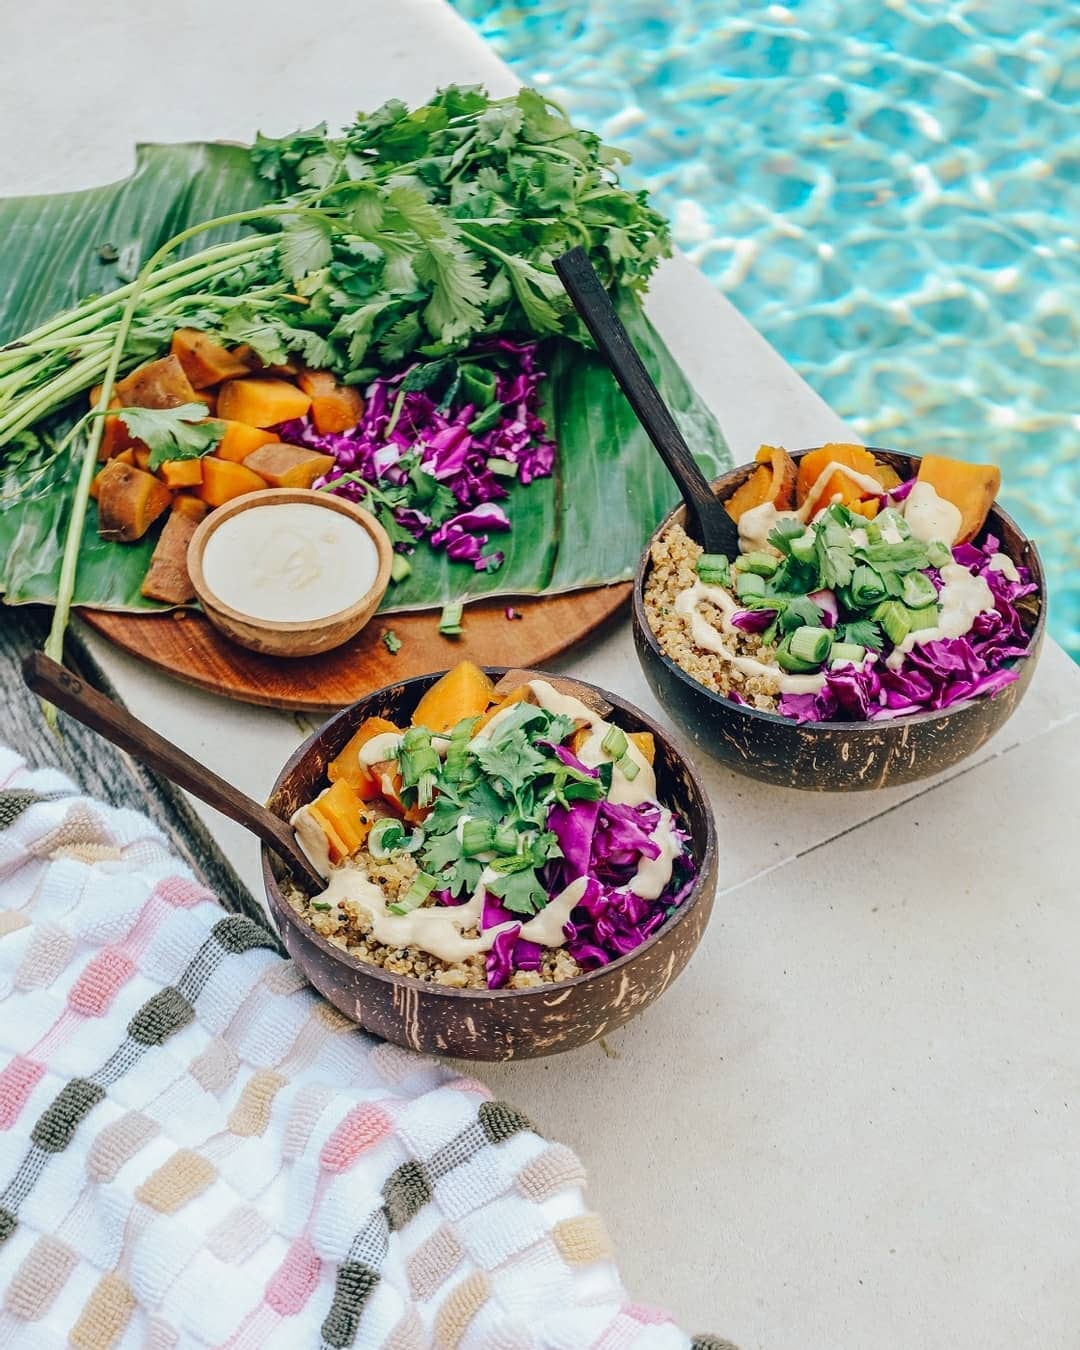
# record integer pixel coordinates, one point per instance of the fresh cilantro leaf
(864, 632)
(513, 759)
(173, 433)
(560, 727)
(391, 642)
(521, 892)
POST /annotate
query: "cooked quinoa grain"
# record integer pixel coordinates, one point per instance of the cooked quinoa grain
(673, 558)
(349, 929)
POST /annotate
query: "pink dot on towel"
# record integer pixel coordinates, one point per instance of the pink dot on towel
(93, 992)
(359, 1130)
(648, 1317)
(17, 1080)
(295, 1279)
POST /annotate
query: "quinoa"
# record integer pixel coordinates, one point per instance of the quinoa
(673, 557)
(350, 929)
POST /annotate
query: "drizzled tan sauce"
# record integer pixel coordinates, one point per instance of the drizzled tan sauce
(440, 929)
(1001, 562)
(708, 638)
(931, 517)
(756, 524)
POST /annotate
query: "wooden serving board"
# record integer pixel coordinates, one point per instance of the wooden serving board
(185, 644)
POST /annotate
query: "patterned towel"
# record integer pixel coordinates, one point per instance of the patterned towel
(196, 1150)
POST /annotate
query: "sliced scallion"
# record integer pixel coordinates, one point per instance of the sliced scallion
(614, 742)
(400, 568)
(893, 617)
(386, 837)
(323, 905)
(804, 547)
(847, 651)
(761, 564)
(450, 619)
(749, 584)
(939, 553)
(629, 768)
(414, 897)
(478, 836)
(504, 468)
(918, 590)
(505, 839)
(787, 660)
(713, 569)
(921, 619)
(810, 644)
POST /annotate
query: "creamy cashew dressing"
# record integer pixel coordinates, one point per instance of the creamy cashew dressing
(707, 637)
(290, 563)
(440, 929)
(931, 517)
(756, 524)
(1001, 562)
(962, 598)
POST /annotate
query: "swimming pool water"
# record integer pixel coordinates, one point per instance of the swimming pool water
(890, 192)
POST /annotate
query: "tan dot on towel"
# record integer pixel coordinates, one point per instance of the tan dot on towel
(10, 922)
(408, 1334)
(39, 1279)
(461, 1306)
(554, 1170)
(102, 1321)
(332, 1019)
(178, 1180)
(81, 825)
(216, 1067)
(285, 979)
(251, 1114)
(118, 1142)
(434, 1261)
(238, 1235)
(582, 1240)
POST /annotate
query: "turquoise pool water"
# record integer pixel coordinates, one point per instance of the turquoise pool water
(889, 191)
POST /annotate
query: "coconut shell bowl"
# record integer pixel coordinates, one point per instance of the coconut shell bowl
(836, 756)
(494, 1024)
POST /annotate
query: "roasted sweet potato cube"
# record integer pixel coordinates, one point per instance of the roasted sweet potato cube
(205, 360)
(970, 487)
(262, 402)
(222, 481)
(348, 765)
(186, 504)
(160, 384)
(288, 465)
(167, 577)
(181, 473)
(340, 813)
(240, 440)
(129, 501)
(334, 407)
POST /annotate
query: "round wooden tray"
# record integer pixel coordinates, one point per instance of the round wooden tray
(184, 644)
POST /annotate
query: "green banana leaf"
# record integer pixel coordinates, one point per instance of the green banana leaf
(584, 526)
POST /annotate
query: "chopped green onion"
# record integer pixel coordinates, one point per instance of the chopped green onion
(614, 742)
(787, 660)
(629, 768)
(918, 590)
(846, 651)
(414, 897)
(762, 564)
(785, 530)
(749, 584)
(810, 644)
(391, 642)
(505, 840)
(450, 619)
(386, 837)
(889, 519)
(324, 905)
(456, 766)
(713, 569)
(804, 547)
(940, 553)
(505, 468)
(921, 619)
(478, 836)
(893, 617)
(400, 567)
(867, 587)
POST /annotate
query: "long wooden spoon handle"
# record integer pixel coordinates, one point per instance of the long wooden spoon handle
(60, 686)
(708, 519)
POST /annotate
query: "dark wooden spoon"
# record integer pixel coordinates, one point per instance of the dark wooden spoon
(57, 684)
(707, 520)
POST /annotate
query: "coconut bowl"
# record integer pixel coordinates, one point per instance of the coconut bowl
(835, 756)
(494, 1024)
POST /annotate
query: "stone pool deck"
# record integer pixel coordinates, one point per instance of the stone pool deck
(854, 1122)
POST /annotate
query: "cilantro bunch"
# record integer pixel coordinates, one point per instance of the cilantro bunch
(504, 787)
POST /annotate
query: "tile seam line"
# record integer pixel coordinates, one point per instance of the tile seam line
(917, 796)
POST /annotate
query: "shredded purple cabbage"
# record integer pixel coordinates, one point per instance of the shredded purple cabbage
(936, 674)
(753, 620)
(369, 458)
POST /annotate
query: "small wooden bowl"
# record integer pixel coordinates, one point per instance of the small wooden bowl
(306, 637)
(493, 1024)
(834, 756)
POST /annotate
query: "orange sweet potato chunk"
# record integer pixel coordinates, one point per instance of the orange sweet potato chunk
(159, 384)
(181, 473)
(970, 487)
(261, 402)
(464, 691)
(240, 440)
(347, 764)
(340, 813)
(816, 462)
(522, 694)
(222, 481)
(190, 506)
(334, 407)
(773, 481)
(290, 466)
(129, 501)
(205, 360)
